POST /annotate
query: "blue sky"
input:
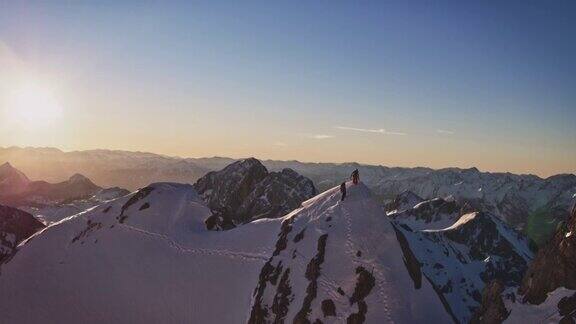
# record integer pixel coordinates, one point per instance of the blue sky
(488, 84)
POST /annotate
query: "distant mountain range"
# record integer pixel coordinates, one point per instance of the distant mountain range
(529, 203)
(51, 202)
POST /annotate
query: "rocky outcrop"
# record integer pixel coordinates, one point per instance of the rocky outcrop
(403, 201)
(245, 191)
(459, 260)
(15, 227)
(554, 266)
(435, 213)
(276, 195)
(492, 309)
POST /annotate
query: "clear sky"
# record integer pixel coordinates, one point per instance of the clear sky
(409, 83)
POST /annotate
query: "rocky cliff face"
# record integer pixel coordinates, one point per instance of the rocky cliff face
(493, 309)
(403, 201)
(245, 191)
(435, 213)
(15, 227)
(554, 266)
(276, 195)
(548, 289)
(461, 253)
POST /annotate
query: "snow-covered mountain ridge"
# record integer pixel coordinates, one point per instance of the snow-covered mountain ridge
(460, 252)
(147, 257)
(527, 202)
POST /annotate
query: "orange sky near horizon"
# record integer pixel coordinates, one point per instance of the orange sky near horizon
(195, 85)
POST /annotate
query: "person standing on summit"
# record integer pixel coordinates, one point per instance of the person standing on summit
(343, 190)
(355, 176)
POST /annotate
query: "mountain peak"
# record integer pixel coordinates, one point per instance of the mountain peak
(12, 181)
(6, 165)
(77, 177)
(325, 255)
(7, 168)
(245, 190)
(249, 162)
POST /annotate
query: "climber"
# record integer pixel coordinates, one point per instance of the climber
(343, 190)
(355, 176)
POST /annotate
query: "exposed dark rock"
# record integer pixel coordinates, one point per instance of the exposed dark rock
(554, 265)
(269, 275)
(429, 211)
(15, 227)
(492, 309)
(482, 247)
(480, 233)
(281, 303)
(90, 227)
(144, 206)
(360, 317)
(141, 194)
(299, 236)
(245, 191)
(403, 201)
(410, 261)
(328, 308)
(567, 305)
(365, 282)
(312, 274)
(282, 241)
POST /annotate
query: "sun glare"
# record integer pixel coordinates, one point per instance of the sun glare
(32, 104)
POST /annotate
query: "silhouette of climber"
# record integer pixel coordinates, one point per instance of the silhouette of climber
(355, 176)
(343, 190)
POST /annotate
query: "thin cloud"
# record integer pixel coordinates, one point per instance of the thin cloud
(368, 130)
(320, 136)
(444, 131)
(280, 144)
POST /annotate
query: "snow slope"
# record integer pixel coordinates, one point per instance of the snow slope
(141, 258)
(546, 312)
(341, 261)
(54, 212)
(147, 258)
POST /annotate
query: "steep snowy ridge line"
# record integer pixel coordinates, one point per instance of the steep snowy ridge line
(351, 248)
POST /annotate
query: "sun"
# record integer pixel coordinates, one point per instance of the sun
(32, 104)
